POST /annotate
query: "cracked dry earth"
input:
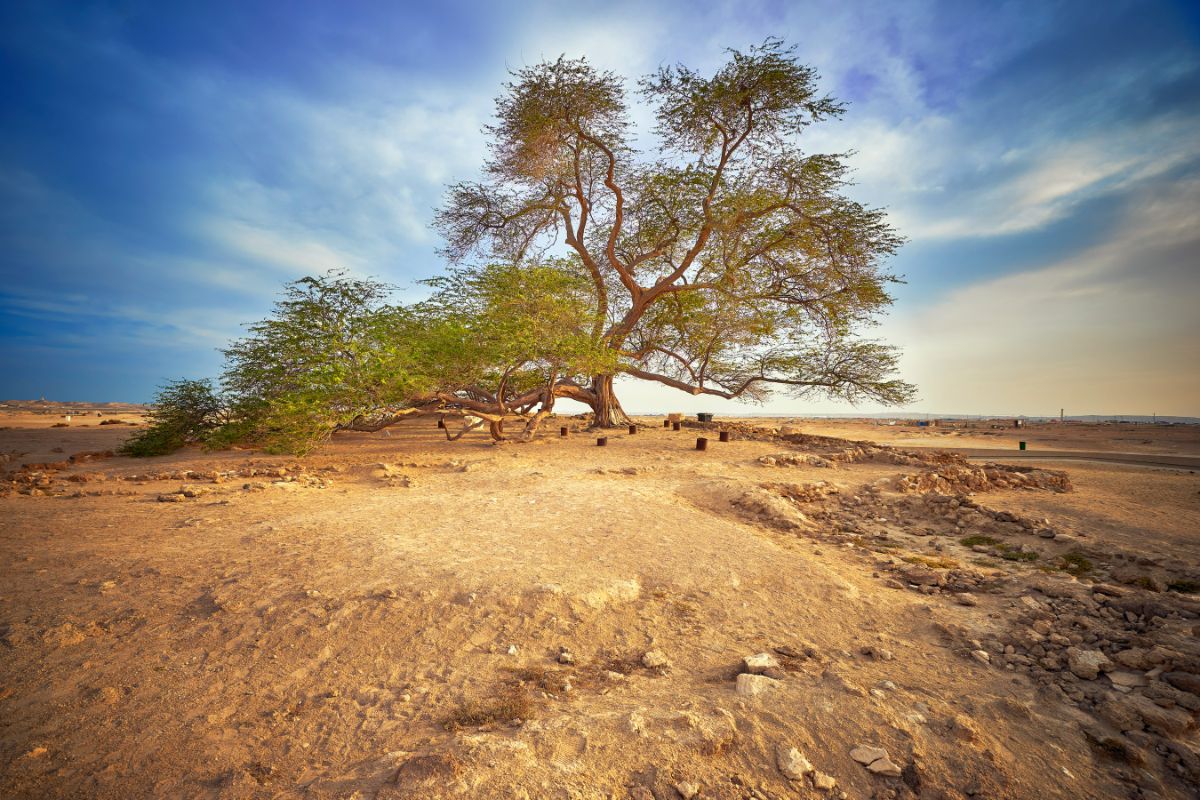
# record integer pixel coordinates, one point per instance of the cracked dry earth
(778, 617)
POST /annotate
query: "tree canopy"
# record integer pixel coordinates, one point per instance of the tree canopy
(723, 259)
(712, 255)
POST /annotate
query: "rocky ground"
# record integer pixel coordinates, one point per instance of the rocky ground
(782, 615)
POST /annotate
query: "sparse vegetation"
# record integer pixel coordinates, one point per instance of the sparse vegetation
(509, 703)
(1184, 586)
(1075, 563)
(977, 540)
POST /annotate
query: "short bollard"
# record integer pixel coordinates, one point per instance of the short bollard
(441, 423)
(602, 441)
(666, 423)
(1022, 445)
(702, 443)
(674, 426)
(632, 429)
(562, 431)
(724, 436)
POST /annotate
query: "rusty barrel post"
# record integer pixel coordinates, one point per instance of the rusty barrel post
(724, 436)
(441, 422)
(674, 426)
(702, 443)
(666, 423)
(632, 429)
(562, 431)
(601, 441)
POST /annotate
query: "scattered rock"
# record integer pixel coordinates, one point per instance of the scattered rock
(759, 663)
(753, 685)
(885, 767)
(1183, 681)
(687, 790)
(655, 659)
(876, 760)
(1128, 680)
(1087, 664)
(866, 754)
(826, 783)
(792, 763)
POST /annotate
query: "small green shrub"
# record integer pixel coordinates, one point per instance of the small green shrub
(184, 412)
(1076, 563)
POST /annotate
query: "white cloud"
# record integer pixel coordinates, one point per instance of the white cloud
(1108, 330)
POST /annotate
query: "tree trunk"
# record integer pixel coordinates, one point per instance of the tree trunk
(606, 408)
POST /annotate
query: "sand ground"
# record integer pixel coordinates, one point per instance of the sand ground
(399, 616)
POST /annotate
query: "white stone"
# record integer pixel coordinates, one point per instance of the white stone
(884, 766)
(824, 782)
(759, 663)
(865, 754)
(687, 790)
(655, 659)
(792, 763)
(754, 685)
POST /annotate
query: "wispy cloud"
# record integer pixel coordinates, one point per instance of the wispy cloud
(1109, 329)
(162, 175)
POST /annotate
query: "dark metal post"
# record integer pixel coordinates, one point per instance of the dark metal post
(562, 431)
(702, 443)
(674, 426)
(602, 441)
(633, 429)
(724, 436)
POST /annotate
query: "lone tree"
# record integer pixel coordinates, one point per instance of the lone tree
(722, 260)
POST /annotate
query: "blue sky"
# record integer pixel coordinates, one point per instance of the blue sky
(165, 167)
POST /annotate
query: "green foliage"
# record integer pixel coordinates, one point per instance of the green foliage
(184, 412)
(518, 325)
(331, 351)
(972, 541)
(1076, 563)
(723, 260)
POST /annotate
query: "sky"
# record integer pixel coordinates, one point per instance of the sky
(166, 167)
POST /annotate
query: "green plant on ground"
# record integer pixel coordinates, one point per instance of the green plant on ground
(972, 541)
(1076, 563)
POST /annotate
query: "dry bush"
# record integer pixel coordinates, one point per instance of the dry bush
(511, 702)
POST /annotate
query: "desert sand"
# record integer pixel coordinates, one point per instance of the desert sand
(782, 615)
